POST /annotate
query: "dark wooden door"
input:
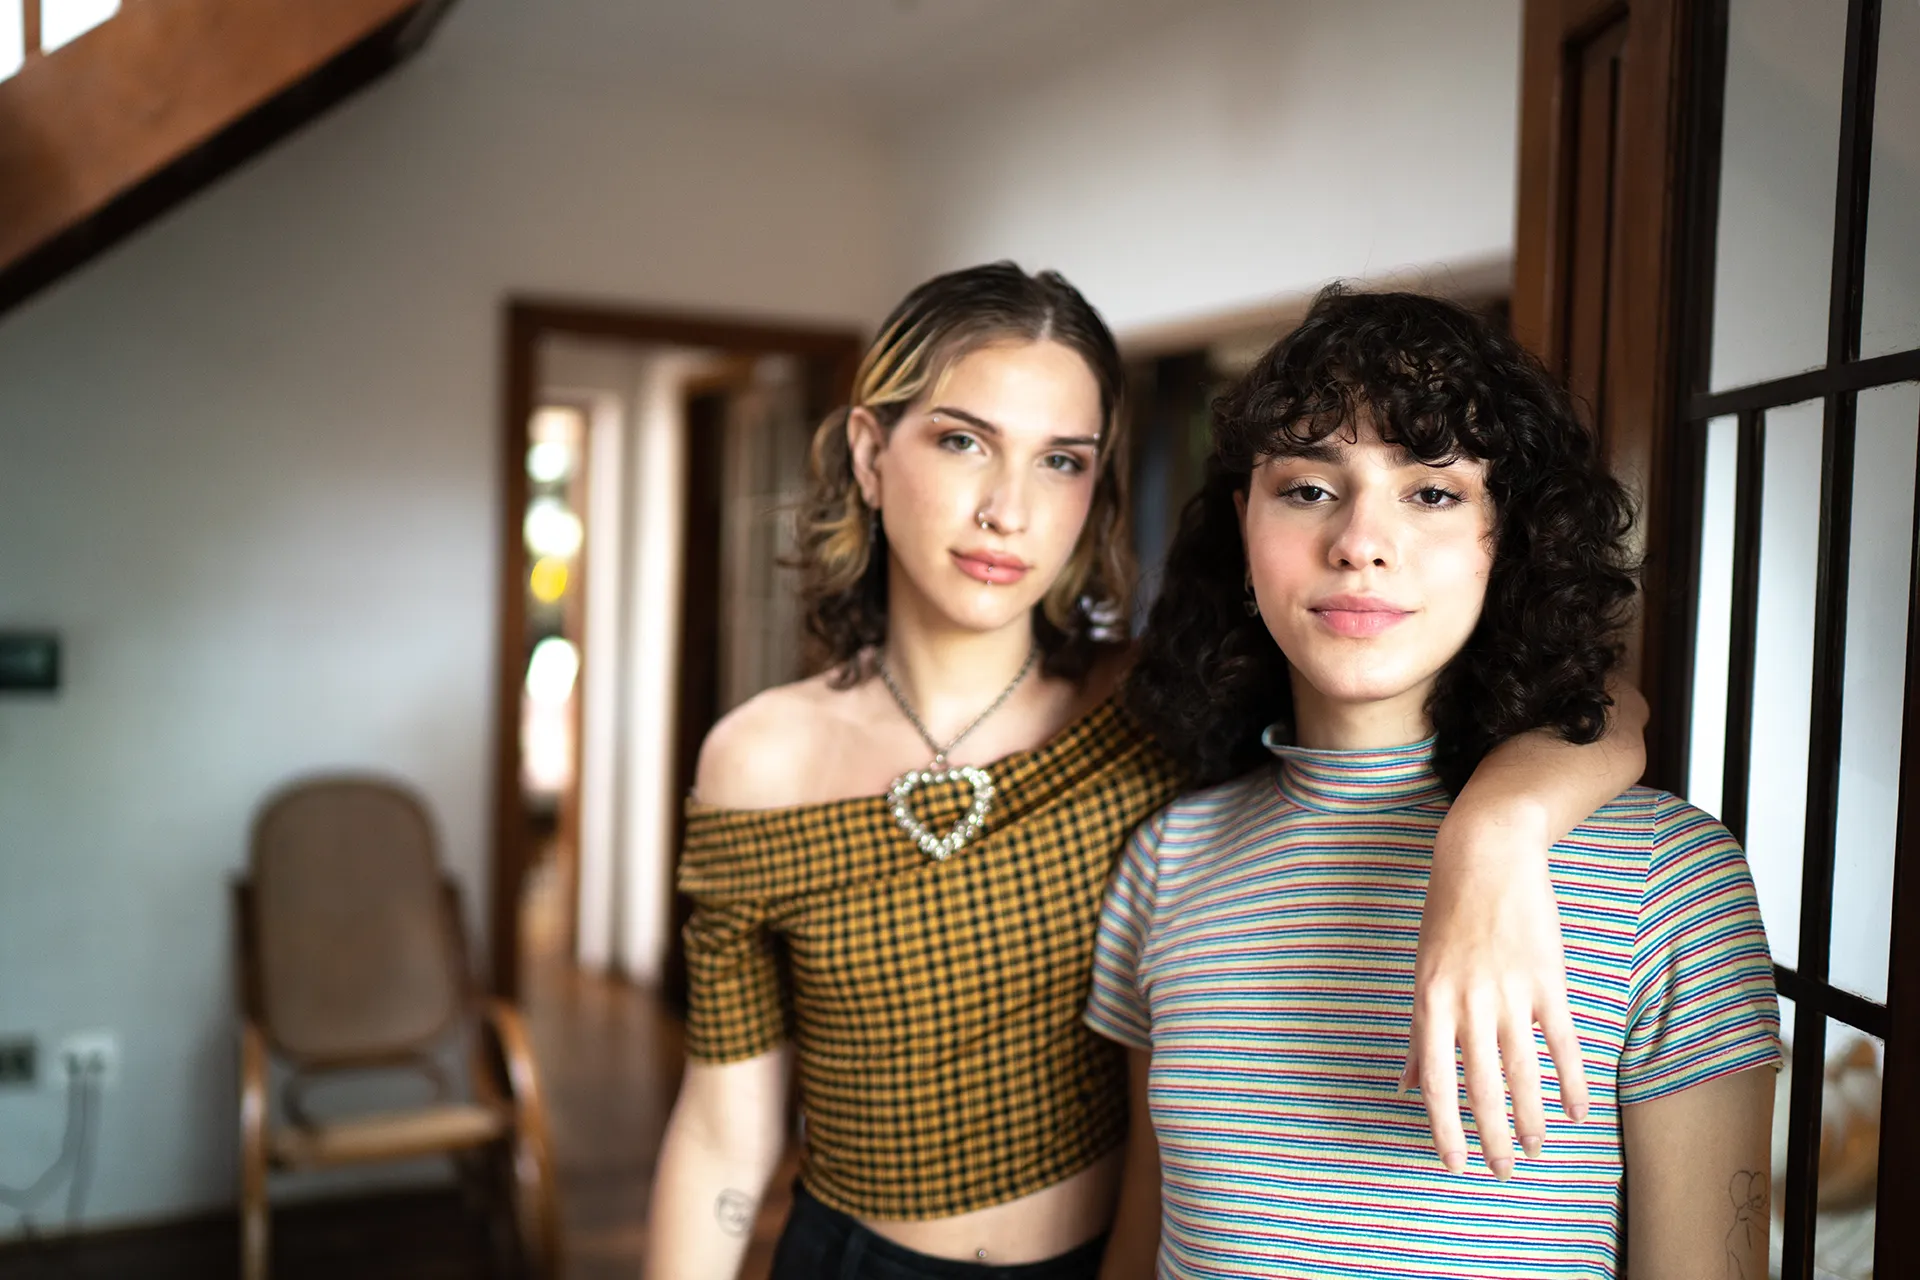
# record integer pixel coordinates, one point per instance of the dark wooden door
(1593, 266)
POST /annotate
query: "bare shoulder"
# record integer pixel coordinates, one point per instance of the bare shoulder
(761, 755)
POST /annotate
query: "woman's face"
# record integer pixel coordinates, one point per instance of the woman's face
(1370, 568)
(985, 482)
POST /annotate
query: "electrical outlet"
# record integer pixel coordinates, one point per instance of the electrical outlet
(95, 1053)
(19, 1062)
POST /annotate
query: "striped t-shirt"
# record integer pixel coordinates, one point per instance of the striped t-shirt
(1259, 938)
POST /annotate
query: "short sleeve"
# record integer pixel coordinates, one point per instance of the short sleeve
(1701, 1001)
(737, 1003)
(1117, 1007)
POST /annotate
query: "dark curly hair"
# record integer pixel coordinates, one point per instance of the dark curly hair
(842, 550)
(1444, 383)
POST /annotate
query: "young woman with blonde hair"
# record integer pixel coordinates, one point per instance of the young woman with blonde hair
(897, 865)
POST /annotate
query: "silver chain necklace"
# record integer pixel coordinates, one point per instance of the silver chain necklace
(940, 848)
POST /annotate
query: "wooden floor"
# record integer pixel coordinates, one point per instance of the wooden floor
(610, 1059)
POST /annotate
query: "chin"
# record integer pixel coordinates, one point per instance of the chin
(978, 610)
(1359, 683)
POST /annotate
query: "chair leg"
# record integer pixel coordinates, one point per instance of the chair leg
(536, 1207)
(255, 1214)
(510, 1074)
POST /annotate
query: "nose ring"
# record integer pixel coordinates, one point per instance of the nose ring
(980, 518)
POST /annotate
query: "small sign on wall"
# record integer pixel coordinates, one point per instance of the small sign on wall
(29, 662)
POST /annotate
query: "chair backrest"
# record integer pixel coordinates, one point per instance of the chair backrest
(351, 932)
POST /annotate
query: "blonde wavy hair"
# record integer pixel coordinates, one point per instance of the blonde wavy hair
(841, 546)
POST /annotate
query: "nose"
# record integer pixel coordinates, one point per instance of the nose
(1365, 534)
(1006, 502)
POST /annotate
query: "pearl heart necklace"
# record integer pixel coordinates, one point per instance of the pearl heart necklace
(900, 794)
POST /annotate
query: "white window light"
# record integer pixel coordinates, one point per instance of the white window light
(64, 21)
(13, 36)
(552, 530)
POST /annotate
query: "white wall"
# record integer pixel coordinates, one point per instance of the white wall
(247, 468)
(1244, 155)
(656, 555)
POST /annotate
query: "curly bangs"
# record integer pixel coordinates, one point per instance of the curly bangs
(1444, 383)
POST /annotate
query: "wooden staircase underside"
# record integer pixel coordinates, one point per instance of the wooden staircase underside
(109, 132)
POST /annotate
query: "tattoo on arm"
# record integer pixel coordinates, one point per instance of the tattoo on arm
(1748, 1191)
(734, 1211)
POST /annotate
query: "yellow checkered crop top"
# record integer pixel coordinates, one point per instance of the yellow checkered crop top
(934, 1007)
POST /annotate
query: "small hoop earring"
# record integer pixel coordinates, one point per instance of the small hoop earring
(1251, 604)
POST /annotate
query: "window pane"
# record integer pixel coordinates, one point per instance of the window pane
(1849, 1154)
(63, 21)
(1878, 574)
(1846, 1185)
(1783, 670)
(1714, 626)
(13, 36)
(1891, 317)
(1779, 149)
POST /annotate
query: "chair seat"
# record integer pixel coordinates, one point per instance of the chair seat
(387, 1135)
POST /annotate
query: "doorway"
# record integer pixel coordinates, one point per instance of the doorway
(637, 600)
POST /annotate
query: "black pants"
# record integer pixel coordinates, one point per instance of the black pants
(821, 1243)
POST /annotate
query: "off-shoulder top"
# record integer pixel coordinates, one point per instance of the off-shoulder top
(934, 1006)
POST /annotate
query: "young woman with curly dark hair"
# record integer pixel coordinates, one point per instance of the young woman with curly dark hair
(897, 865)
(1407, 553)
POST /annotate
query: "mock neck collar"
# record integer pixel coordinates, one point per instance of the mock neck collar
(1371, 781)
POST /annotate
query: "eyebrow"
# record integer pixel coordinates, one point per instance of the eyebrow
(1336, 454)
(981, 424)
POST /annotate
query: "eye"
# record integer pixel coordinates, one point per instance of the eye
(1065, 463)
(959, 442)
(1305, 495)
(1433, 495)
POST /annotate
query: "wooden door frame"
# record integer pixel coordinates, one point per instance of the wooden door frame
(831, 351)
(1643, 322)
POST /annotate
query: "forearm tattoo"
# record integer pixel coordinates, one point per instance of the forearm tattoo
(734, 1212)
(1747, 1239)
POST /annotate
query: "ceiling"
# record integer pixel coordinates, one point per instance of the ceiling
(905, 57)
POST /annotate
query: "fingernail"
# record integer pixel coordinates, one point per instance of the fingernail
(1502, 1168)
(1531, 1146)
(1456, 1161)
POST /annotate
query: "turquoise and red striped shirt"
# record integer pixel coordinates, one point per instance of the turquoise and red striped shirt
(1259, 938)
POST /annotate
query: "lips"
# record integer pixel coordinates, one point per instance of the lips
(1358, 616)
(995, 568)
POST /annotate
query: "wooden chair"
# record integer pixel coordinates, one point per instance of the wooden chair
(352, 956)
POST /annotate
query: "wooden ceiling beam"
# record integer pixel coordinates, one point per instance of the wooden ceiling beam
(161, 79)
